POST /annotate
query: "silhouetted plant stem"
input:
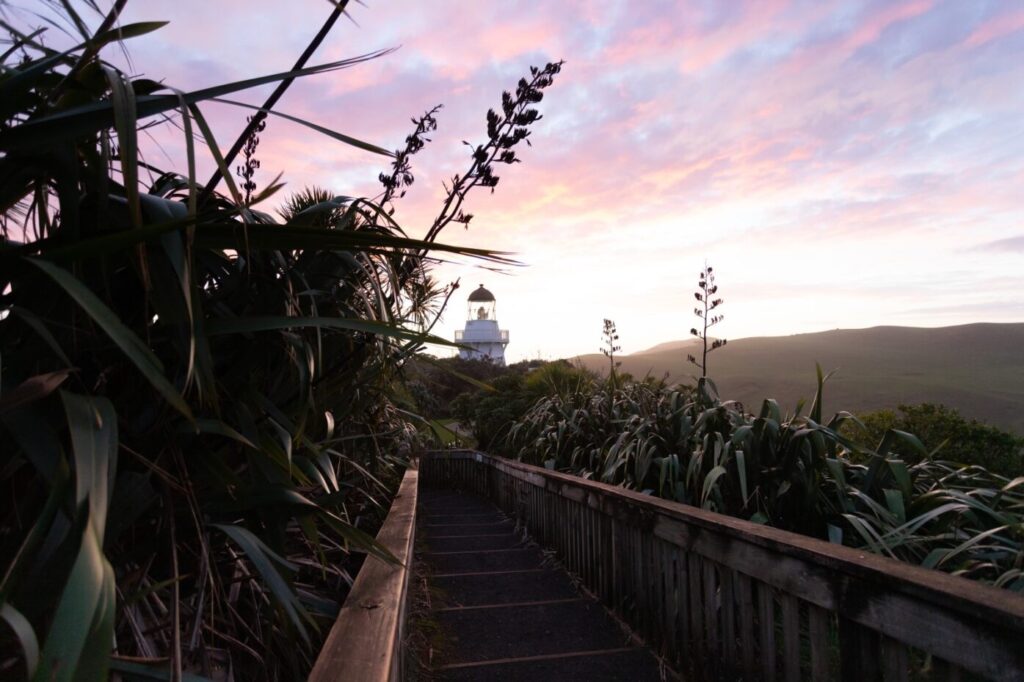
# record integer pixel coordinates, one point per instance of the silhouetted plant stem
(504, 132)
(401, 168)
(609, 339)
(278, 92)
(247, 170)
(707, 289)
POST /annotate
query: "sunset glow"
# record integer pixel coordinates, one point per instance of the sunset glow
(840, 164)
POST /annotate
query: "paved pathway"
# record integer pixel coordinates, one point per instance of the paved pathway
(503, 613)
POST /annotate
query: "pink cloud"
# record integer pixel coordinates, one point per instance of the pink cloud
(995, 28)
(757, 19)
(870, 30)
(774, 128)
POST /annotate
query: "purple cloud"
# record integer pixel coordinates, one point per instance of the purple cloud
(770, 136)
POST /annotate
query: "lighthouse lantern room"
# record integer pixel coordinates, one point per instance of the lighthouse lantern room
(482, 337)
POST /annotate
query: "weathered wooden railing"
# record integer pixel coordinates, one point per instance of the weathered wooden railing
(365, 644)
(722, 598)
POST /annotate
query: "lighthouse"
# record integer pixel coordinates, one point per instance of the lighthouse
(484, 339)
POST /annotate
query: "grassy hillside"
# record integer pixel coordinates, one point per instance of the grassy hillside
(976, 368)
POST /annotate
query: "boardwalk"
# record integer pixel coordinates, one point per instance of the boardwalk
(717, 597)
(503, 613)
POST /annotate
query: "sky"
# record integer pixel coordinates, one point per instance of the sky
(840, 164)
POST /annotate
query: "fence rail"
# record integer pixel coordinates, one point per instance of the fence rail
(722, 598)
(365, 642)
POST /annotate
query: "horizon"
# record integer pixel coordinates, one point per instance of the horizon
(232, 450)
(844, 164)
(690, 339)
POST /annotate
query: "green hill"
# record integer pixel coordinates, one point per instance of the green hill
(975, 368)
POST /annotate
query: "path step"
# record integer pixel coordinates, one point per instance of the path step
(503, 588)
(432, 529)
(479, 562)
(517, 631)
(504, 614)
(463, 543)
(624, 665)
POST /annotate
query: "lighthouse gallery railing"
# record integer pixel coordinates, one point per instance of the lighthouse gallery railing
(461, 335)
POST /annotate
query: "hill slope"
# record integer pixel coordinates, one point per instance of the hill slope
(976, 368)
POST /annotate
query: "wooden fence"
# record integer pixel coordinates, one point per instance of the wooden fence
(365, 643)
(722, 598)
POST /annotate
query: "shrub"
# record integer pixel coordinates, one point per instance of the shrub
(795, 472)
(558, 378)
(947, 435)
(489, 412)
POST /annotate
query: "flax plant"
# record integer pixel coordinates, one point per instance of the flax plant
(793, 471)
(197, 431)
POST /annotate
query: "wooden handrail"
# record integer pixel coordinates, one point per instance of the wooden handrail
(712, 591)
(365, 643)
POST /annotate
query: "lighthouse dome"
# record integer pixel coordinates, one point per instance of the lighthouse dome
(481, 294)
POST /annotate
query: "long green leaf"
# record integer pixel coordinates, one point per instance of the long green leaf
(39, 328)
(90, 118)
(92, 422)
(20, 562)
(709, 483)
(216, 426)
(251, 325)
(132, 346)
(128, 31)
(264, 558)
(341, 137)
(816, 404)
(95, 661)
(894, 500)
(25, 634)
(122, 99)
(287, 237)
(76, 613)
(260, 236)
(26, 76)
(741, 468)
(963, 547)
(32, 389)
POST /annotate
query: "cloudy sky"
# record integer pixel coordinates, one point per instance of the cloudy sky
(839, 163)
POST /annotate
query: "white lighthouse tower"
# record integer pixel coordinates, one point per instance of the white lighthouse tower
(485, 340)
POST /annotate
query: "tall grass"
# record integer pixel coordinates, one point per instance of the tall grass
(196, 416)
(793, 471)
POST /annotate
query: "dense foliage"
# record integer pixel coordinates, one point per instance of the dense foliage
(797, 472)
(488, 412)
(197, 410)
(435, 383)
(947, 435)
